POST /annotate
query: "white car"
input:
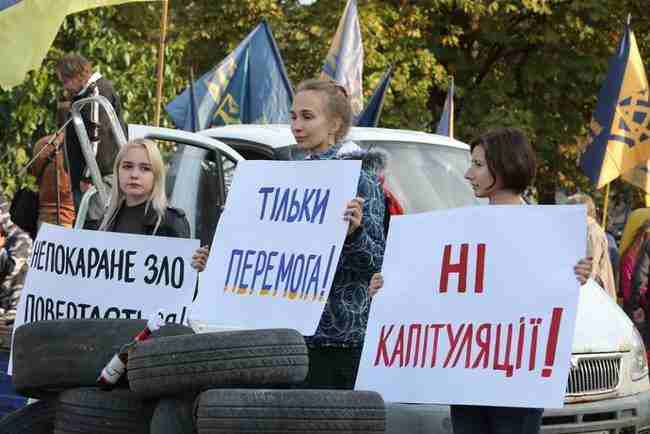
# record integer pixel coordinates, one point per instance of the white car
(608, 389)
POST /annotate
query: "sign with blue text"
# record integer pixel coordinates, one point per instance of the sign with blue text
(277, 245)
(478, 307)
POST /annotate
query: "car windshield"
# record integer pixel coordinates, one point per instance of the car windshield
(426, 177)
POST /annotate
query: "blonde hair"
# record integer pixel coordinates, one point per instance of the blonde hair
(157, 199)
(337, 102)
(581, 198)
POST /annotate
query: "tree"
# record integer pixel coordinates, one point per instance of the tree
(536, 64)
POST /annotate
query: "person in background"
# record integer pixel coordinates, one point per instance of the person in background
(53, 195)
(15, 248)
(597, 246)
(138, 203)
(80, 81)
(502, 167)
(638, 304)
(629, 258)
(320, 119)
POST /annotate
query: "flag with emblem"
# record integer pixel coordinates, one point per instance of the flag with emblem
(619, 137)
(446, 122)
(28, 30)
(370, 115)
(344, 61)
(250, 86)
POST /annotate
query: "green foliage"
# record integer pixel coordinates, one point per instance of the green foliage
(537, 64)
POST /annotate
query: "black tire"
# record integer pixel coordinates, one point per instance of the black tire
(173, 416)
(183, 364)
(50, 356)
(36, 418)
(281, 411)
(90, 410)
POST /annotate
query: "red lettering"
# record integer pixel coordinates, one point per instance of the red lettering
(551, 344)
(453, 342)
(425, 345)
(466, 343)
(448, 268)
(381, 346)
(409, 345)
(480, 268)
(520, 341)
(434, 347)
(399, 346)
(483, 344)
(535, 322)
(506, 365)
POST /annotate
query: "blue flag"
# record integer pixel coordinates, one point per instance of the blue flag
(344, 61)
(446, 122)
(4, 4)
(250, 86)
(370, 115)
(619, 138)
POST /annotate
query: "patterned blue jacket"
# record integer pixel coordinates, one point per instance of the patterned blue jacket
(345, 315)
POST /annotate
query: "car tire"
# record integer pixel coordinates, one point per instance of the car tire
(275, 411)
(183, 364)
(91, 410)
(35, 418)
(173, 415)
(50, 356)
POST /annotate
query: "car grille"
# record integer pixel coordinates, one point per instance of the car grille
(594, 375)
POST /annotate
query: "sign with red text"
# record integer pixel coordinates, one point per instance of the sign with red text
(478, 307)
(277, 245)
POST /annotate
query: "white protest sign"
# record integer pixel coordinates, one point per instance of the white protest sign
(277, 245)
(478, 307)
(76, 274)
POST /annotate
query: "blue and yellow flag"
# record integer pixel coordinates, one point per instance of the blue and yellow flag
(619, 140)
(446, 122)
(27, 30)
(370, 115)
(250, 86)
(344, 61)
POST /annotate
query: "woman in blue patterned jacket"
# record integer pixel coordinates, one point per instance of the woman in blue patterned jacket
(320, 119)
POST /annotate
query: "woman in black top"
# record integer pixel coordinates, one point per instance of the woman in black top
(138, 203)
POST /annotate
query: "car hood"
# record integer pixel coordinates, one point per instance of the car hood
(601, 325)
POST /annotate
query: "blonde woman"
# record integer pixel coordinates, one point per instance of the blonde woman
(138, 203)
(597, 246)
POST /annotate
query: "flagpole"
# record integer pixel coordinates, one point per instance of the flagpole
(161, 60)
(606, 206)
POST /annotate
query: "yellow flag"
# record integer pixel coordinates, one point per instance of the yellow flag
(27, 30)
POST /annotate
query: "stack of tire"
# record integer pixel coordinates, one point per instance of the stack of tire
(178, 382)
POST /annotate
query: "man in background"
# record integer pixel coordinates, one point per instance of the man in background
(80, 81)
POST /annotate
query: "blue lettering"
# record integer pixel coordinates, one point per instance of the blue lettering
(260, 265)
(265, 191)
(235, 252)
(320, 206)
(284, 272)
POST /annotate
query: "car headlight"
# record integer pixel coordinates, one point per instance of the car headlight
(639, 368)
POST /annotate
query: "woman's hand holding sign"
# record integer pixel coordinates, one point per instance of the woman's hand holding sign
(354, 214)
(376, 283)
(583, 269)
(200, 258)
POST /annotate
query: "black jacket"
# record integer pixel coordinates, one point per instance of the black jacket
(6, 264)
(108, 147)
(174, 224)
